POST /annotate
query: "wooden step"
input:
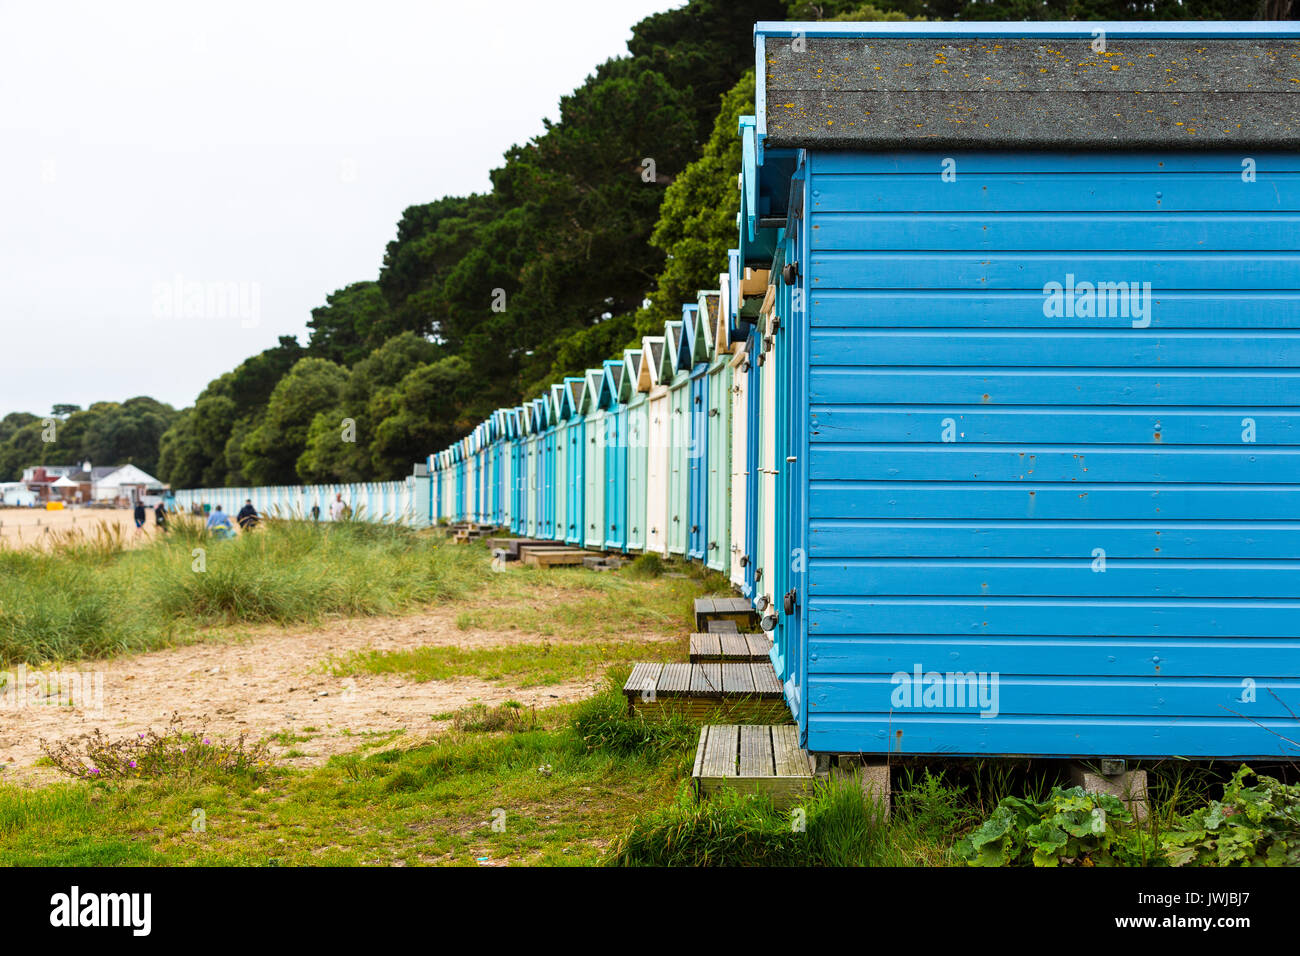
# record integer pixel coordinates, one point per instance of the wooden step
(555, 557)
(511, 546)
(546, 547)
(724, 609)
(743, 690)
(754, 758)
(730, 647)
(723, 627)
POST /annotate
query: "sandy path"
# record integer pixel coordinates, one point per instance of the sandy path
(28, 527)
(272, 681)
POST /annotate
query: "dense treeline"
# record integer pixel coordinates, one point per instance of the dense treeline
(593, 233)
(106, 433)
(484, 299)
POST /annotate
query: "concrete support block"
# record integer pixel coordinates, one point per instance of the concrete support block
(872, 775)
(1130, 786)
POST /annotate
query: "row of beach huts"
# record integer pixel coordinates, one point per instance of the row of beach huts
(993, 415)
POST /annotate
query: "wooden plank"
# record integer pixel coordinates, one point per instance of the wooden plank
(734, 647)
(644, 677)
(704, 647)
(733, 605)
(700, 749)
(546, 559)
(720, 756)
(703, 610)
(737, 679)
(706, 679)
(760, 646)
(723, 627)
(749, 710)
(789, 758)
(766, 683)
(675, 680)
(756, 757)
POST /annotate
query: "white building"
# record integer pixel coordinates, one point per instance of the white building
(127, 483)
(15, 494)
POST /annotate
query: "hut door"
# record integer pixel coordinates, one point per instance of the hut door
(698, 464)
(657, 452)
(577, 483)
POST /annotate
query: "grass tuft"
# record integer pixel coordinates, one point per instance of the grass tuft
(835, 826)
(88, 596)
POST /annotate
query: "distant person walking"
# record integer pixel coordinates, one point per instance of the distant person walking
(219, 523)
(338, 508)
(315, 512)
(248, 516)
(160, 518)
(140, 516)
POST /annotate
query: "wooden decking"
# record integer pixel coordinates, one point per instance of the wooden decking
(544, 553)
(737, 689)
(545, 556)
(465, 531)
(730, 647)
(511, 546)
(724, 609)
(753, 758)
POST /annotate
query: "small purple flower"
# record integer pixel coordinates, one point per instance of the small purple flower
(94, 770)
(206, 740)
(132, 764)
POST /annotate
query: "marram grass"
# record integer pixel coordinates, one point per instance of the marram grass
(90, 597)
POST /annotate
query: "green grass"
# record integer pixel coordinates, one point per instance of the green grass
(562, 799)
(593, 605)
(583, 784)
(520, 665)
(835, 826)
(92, 596)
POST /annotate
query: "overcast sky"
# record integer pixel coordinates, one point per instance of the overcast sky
(180, 183)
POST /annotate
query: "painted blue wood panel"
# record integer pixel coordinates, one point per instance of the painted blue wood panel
(576, 475)
(698, 464)
(616, 451)
(754, 392)
(1089, 505)
(955, 308)
(548, 487)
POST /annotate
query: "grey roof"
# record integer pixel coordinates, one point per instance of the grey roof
(656, 352)
(899, 93)
(96, 472)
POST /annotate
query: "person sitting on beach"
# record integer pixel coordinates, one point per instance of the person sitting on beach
(248, 516)
(218, 520)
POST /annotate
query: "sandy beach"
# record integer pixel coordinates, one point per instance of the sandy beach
(27, 527)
